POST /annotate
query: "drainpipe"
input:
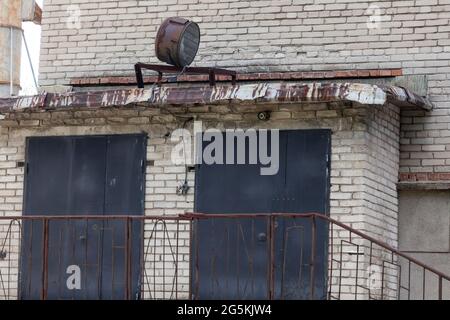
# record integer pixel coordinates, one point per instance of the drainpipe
(12, 13)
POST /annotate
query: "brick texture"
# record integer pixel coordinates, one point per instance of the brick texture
(269, 36)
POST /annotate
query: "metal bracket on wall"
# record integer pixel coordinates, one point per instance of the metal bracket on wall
(161, 69)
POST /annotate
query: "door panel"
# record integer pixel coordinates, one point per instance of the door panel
(231, 256)
(68, 176)
(57, 169)
(68, 240)
(232, 260)
(44, 186)
(125, 187)
(306, 190)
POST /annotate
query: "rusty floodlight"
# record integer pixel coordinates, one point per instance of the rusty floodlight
(177, 41)
(176, 44)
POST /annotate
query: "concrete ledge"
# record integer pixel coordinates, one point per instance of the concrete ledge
(424, 186)
(365, 94)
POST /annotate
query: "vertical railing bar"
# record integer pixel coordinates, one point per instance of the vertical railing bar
(30, 256)
(409, 279)
(128, 257)
(86, 241)
(423, 283)
(164, 231)
(191, 262)
(370, 265)
(399, 280)
(272, 222)
(176, 258)
(45, 261)
(313, 257)
(9, 260)
(2, 246)
(253, 256)
(156, 223)
(112, 226)
(197, 280)
(330, 280)
(340, 272)
(213, 254)
(440, 288)
(99, 228)
(142, 253)
(382, 281)
(302, 250)
(283, 267)
(237, 225)
(357, 269)
(74, 233)
(228, 259)
(19, 260)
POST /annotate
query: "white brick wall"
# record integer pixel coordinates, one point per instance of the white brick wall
(277, 35)
(364, 162)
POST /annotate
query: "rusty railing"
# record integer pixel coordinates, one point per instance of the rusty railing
(199, 256)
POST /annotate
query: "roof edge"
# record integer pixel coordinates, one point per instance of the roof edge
(366, 94)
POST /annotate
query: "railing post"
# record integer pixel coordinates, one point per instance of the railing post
(313, 257)
(196, 263)
(44, 291)
(128, 258)
(330, 259)
(440, 288)
(272, 257)
(191, 260)
(176, 258)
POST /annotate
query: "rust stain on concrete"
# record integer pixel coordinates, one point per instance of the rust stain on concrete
(203, 95)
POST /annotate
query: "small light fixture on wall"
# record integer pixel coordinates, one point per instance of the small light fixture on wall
(264, 115)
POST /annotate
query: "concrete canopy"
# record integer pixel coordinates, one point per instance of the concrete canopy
(366, 94)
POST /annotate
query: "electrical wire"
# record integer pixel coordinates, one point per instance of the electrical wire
(184, 188)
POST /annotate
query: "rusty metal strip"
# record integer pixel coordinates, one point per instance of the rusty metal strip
(401, 96)
(259, 76)
(204, 95)
(24, 102)
(162, 237)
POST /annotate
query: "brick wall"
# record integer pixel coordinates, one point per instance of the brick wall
(364, 162)
(277, 35)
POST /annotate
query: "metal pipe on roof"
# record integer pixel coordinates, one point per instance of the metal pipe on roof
(10, 46)
(12, 13)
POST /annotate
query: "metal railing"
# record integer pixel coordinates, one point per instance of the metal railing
(199, 256)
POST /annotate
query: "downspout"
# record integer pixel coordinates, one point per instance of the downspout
(12, 13)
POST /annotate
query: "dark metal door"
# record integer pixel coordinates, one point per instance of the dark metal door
(124, 195)
(82, 176)
(232, 257)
